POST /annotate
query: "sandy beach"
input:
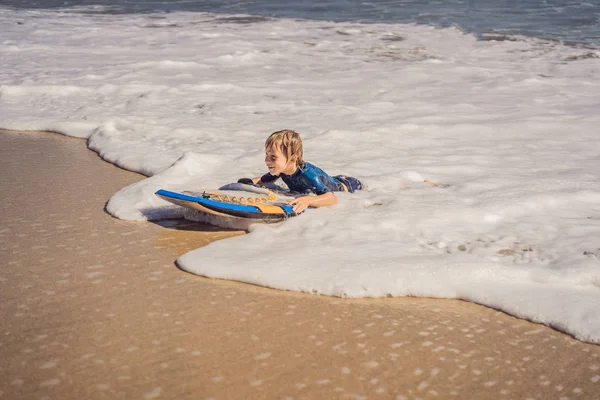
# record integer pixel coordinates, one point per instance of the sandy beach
(92, 307)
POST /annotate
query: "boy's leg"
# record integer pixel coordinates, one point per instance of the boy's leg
(351, 183)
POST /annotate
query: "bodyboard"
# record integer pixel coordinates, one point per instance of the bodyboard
(235, 201)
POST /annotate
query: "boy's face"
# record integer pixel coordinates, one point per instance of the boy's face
(277, 162)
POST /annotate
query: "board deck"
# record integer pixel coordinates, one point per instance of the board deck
(267, 208)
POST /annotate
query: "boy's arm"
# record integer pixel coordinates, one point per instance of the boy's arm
(266, 178)
(302, 203)
(250, 181)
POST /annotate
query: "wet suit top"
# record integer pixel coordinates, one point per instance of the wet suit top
(309, 178)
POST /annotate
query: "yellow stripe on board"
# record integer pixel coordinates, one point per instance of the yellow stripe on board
(269, 209)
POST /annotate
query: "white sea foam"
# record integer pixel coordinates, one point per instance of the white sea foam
(512, 126)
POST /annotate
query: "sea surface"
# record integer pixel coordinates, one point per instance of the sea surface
(565, 20)
(498, 100)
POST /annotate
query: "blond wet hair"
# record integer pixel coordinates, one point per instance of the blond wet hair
(289, 143)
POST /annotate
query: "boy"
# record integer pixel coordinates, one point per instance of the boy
(284, 160)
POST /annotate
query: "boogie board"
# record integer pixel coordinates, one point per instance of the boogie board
(235, 201)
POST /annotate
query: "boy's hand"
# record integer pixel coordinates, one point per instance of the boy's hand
(246, 181)
(301, 203)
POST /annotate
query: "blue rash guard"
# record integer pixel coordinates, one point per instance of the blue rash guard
(309, 178)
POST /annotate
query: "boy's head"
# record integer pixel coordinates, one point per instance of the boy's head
(289, 143)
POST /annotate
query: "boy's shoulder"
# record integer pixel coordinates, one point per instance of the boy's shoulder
(311, 168)
(308, 166)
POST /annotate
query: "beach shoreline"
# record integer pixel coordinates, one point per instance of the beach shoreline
(95, 307)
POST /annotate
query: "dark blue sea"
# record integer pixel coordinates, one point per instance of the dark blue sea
(564, 20)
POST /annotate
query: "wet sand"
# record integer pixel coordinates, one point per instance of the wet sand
(92, 307)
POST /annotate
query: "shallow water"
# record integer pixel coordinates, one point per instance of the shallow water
(189, 98)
